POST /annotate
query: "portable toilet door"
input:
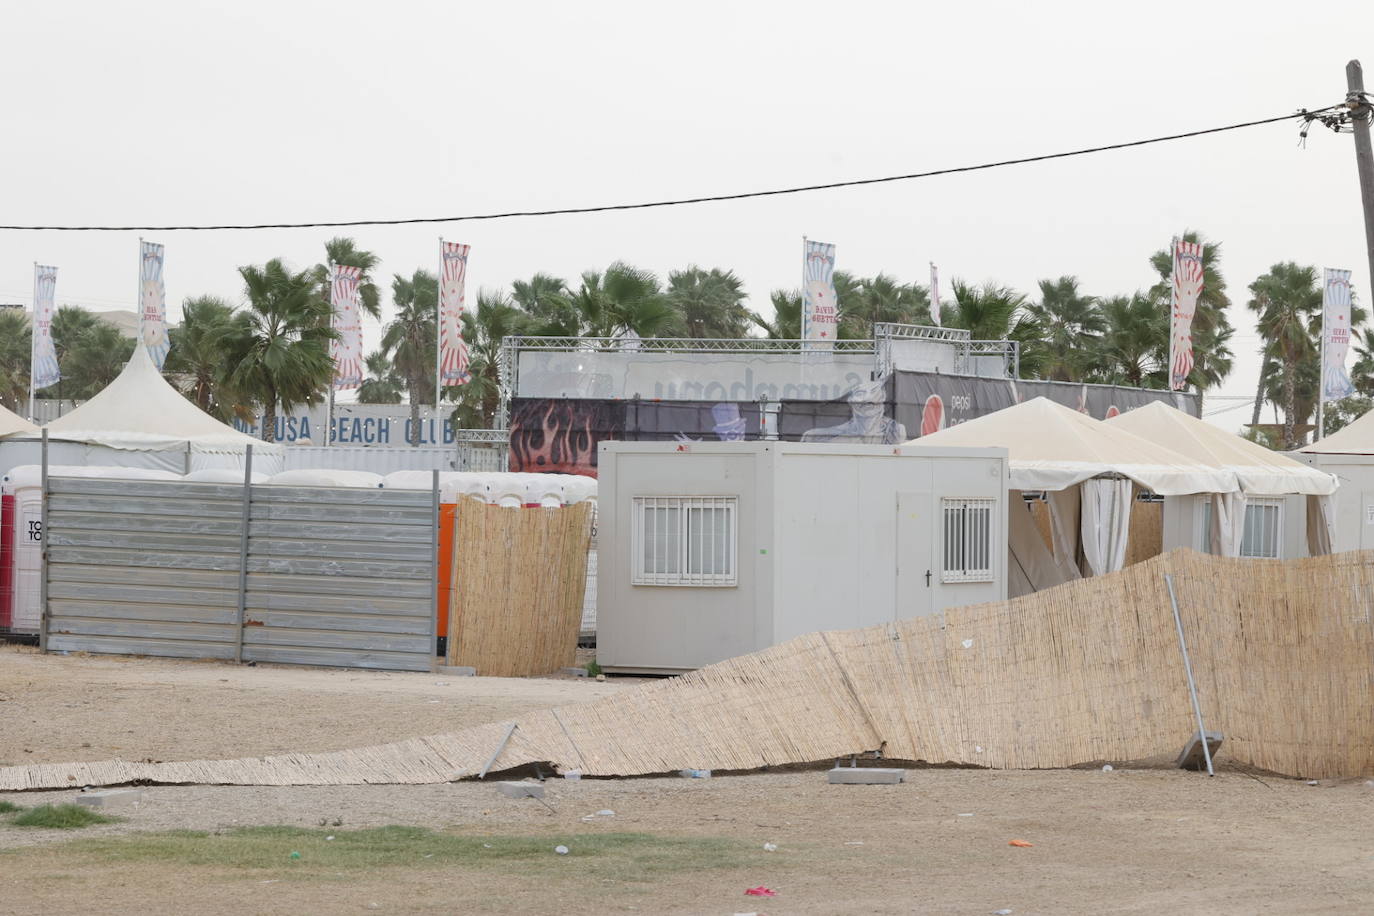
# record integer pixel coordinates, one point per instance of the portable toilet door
(23, 496)
(6, 561)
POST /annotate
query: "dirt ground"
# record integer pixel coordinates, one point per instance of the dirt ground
(1127, 841)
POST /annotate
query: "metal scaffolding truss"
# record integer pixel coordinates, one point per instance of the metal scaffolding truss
(884, 330)
(684, 345)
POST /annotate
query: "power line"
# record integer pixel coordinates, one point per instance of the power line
(1306, 116)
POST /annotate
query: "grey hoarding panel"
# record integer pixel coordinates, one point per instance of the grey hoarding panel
(334, 576)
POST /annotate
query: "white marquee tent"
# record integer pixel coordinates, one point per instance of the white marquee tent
(1348, 453)
(140, 420)
(11, 424)
(1262, 474)
(1085, 468)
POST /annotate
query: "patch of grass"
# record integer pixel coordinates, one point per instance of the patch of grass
(8, 807)
(61, 816)
(617, 856)
(593, 669)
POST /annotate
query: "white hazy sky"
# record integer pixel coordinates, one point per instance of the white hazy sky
(195, 112)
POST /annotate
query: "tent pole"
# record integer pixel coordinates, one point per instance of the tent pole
(1321, 371)
(1188, 667)
(33, 338)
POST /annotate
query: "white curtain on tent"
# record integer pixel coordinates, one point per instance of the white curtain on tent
(1321, 525)
(1228, 524)
(1106, 523)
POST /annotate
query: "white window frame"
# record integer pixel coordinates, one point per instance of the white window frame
(680, 574)
(1246, 547)
(966, 540)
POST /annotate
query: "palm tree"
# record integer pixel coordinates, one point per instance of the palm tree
(1211, 328)
(409, 339)
(484, 328)
(196, 359)
(786, 323)
(991, 312)
(1286, 299)
(69, 323)
(1130, 351)
(549, 304)
(345, 251)
(1073, 326)
(15, 351)
(95, 359)
(382, 385)
(868, 301)
(623, 300)
(280, 350)
(710, 304)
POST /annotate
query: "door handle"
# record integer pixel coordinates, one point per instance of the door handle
(927, 578)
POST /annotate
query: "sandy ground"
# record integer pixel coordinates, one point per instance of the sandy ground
(1128, 841)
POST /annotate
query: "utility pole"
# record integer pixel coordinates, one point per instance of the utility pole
(1360, 113)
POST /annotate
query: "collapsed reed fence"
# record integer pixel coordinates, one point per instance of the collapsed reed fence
(1090, 671)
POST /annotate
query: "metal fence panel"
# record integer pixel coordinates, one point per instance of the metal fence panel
(341, 577)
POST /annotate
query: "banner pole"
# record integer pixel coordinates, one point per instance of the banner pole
(1321, 371)
(438, 342)
(1173, 295)
(33, 339)
(333, 366)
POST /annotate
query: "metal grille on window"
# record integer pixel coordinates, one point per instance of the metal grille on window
(1262, 528)
(684, 540)
(968, 525)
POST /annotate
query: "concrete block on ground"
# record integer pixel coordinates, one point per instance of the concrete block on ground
(520, 789)
(1191, 758)
(574, 672)
(456, 670)
(111, 798)
(866, 776)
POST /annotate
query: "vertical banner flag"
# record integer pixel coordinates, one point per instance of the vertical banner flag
(346, 350)
(453, 351)
(1187, 287)
(1336, 301)
(934, 294)
(43, 355)
(820, 313)
(152, 306)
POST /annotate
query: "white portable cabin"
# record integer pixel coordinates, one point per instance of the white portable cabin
(21, 493)
(712, 550)
(1087, 471)
(1281, 510)
(1348, 454)
(139, 420)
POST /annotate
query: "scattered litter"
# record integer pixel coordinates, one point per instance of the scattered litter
(605, 812)
(1107, 768)
(968, 644)
(854, 843)
(270, 881)
(601, 677)
(441, 683)
(978, 748)
(770, 847)
(434, 701)
(486, 845)
(561, 850)
(760, 891)
(969, 814)
(1021, 843)
(295, 855)
(329, 838)
(1006, 912)
(694, 774)
(573, 774)
(428, 855)
(1313, 782)
(338, 822)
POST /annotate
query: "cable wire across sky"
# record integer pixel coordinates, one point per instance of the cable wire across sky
(1306, 116)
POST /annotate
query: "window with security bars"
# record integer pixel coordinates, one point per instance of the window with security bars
(967, 546)
(1262, 532)
(684, 540)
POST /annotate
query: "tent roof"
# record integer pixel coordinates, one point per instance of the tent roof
(1260, 471)
(141, 411)
(1354, 439)
(1051, 447)
(12, 424)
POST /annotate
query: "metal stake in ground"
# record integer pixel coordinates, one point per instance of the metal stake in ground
(1360, 114)
(1188, 667)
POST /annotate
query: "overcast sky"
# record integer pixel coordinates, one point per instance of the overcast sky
(194, 112)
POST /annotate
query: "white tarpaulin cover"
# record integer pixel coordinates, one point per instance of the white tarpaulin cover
(1261, 472)
(1355, 439)
(11, 424)
(1052, 447)
(140, 411)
